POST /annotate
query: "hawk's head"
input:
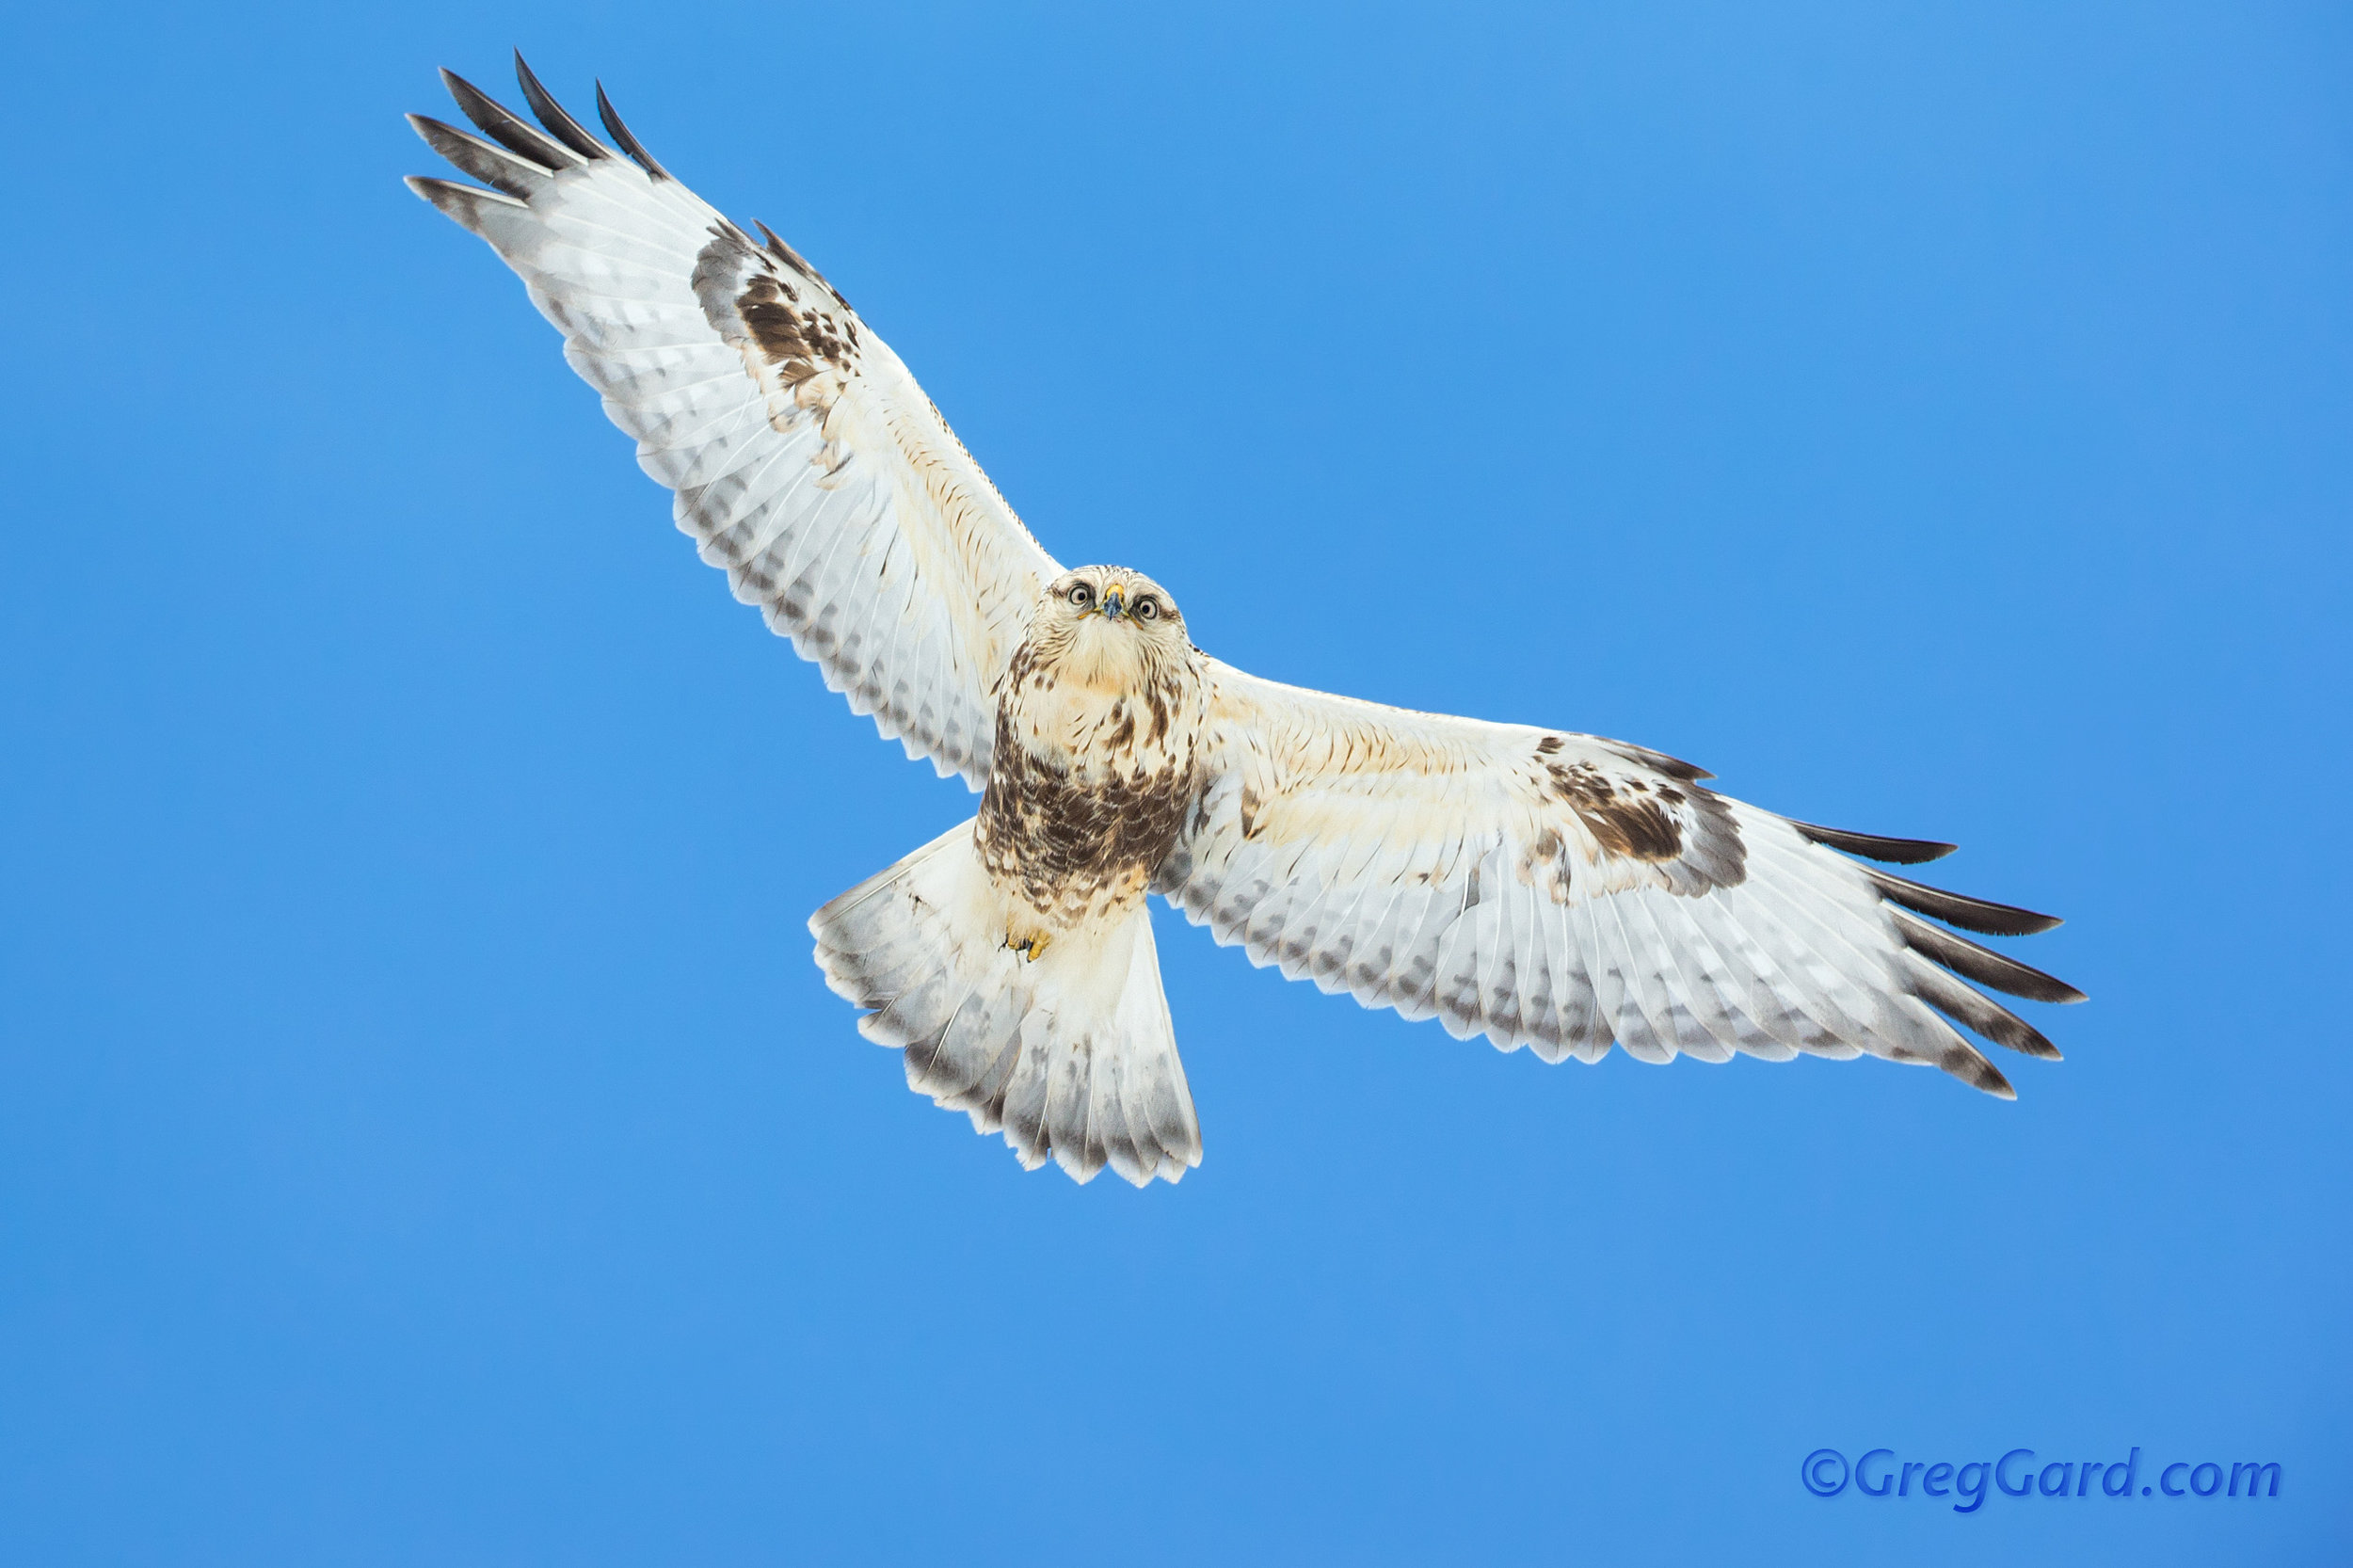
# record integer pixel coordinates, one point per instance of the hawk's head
(1109, 624)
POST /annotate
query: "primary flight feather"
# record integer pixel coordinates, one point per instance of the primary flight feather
(1543, 887)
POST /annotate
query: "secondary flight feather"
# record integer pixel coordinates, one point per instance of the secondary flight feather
(1536, 886)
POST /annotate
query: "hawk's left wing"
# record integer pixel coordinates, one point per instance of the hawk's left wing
(807, 463)
(1565, 892)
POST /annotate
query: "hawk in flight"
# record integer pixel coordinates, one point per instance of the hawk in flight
(1539, 886)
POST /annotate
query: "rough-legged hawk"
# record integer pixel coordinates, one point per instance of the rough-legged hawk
(1539, 886)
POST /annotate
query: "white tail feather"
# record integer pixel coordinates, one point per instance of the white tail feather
(1071, 1053)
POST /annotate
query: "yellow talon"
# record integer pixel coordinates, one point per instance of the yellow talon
(1031, 948)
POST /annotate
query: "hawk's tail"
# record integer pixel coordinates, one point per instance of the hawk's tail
(1070, 1052)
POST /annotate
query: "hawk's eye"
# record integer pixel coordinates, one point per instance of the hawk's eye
(1148, 608)
(1081, 595)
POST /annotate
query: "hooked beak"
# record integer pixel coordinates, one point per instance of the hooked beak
(1115, 600)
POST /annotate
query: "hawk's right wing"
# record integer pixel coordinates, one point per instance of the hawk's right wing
(807, 461)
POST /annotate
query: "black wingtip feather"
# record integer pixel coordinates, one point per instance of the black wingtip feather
(1984, 1074)
(1899, 851)
(462, 203)
(518, 176)
(1975, 1009)
(1970, 914)
(553, 115)
(1982, 965)
(1966, 1063)
(501, 124)
(622, 138)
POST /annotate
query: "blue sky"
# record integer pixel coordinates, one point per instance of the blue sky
(425, 1138)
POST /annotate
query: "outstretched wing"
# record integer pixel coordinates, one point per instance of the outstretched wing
(807, 463)
(1568, 892)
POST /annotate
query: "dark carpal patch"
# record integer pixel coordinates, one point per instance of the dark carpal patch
(799, 264)
(1621, 813)
(1682, 827)
(745, 295)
